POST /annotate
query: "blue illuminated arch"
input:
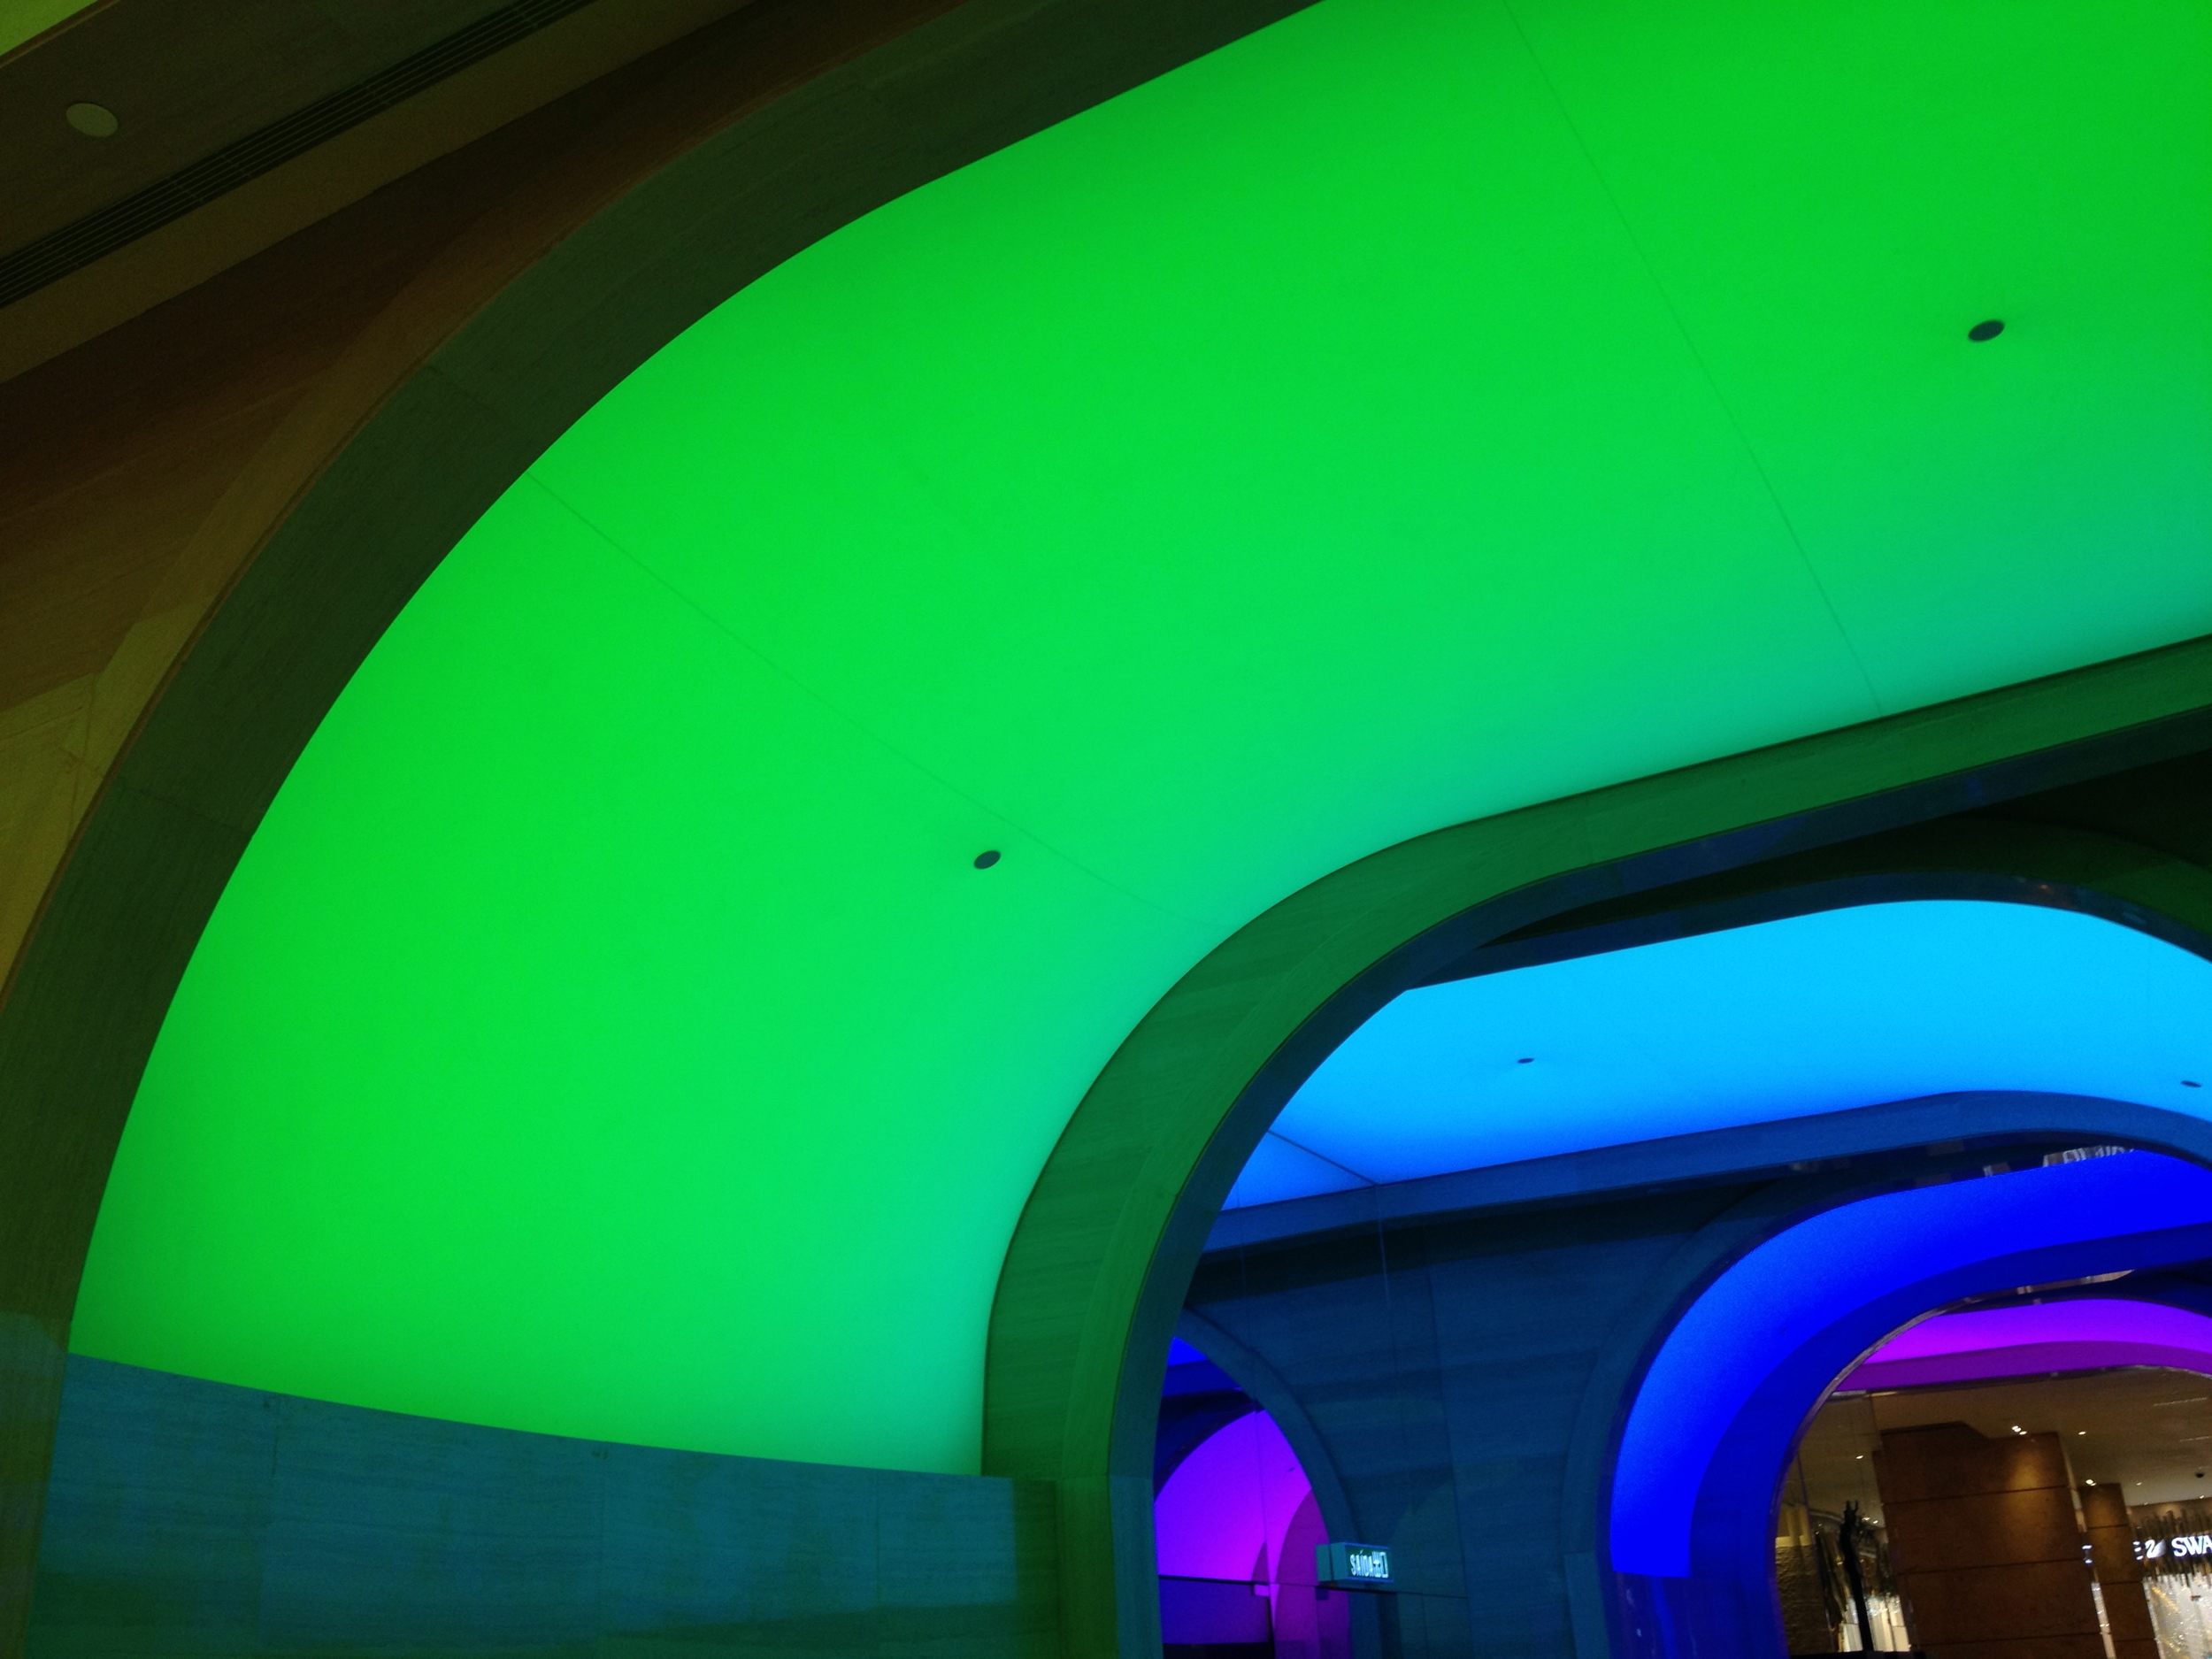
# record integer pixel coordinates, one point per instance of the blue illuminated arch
(1717, 1409)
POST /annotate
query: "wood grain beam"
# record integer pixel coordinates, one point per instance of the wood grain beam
(576, 51)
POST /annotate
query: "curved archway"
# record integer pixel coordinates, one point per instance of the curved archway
(1153, 1146)
(1711, 1424)
(1224, 1529)
(2119, 1325)
(1257, 1378)
(1292, 1025)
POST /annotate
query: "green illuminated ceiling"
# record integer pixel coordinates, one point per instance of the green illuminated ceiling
(1420, 409)
(25, 19)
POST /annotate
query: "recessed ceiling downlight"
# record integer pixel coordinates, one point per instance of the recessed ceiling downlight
(94, 120)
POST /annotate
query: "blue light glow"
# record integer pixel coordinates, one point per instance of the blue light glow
(1782, 1019)
(1725, 1397)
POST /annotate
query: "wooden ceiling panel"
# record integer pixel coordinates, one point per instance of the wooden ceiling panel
(183, 81)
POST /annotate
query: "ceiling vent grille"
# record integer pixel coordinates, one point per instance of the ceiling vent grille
(99, 234)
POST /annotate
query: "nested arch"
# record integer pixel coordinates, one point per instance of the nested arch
(1711, 1424)
(1164, 1134)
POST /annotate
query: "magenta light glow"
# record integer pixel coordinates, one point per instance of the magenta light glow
(2085, 1334)
(1229, 1507)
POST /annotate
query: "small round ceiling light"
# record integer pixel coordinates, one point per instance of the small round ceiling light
(1989, 330)
(94, 120)
(985, 859)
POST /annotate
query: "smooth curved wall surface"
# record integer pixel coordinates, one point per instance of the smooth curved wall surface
(2085, 1333)
(1730, 1388)
(1788, 1018)
(1227, 1510)
(1398, 417)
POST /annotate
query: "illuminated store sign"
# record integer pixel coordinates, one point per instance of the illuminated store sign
(2187, 1545)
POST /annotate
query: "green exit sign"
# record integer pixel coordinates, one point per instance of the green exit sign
(1352, 1566)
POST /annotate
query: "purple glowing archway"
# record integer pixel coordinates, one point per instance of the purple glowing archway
(1230, 1507)
(2085, 1334)
(1237, 1524)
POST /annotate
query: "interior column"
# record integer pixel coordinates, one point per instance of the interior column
(2127, 1609)
(1985, 1544)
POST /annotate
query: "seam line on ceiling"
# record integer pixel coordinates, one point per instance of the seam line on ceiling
(1697, 356)
(706, 614)
(1367, 1180)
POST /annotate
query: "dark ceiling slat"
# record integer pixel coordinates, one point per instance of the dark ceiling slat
(101, 232)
